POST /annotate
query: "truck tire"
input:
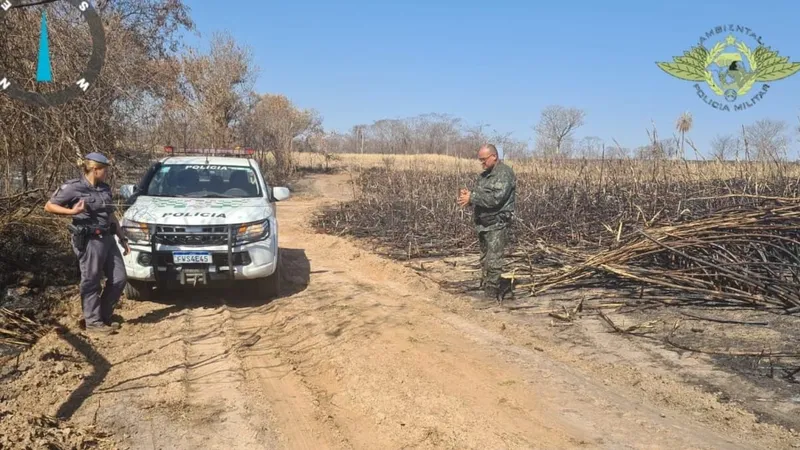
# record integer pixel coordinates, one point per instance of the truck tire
(270, 286)
(138, 290)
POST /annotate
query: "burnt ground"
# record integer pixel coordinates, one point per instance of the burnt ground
(742, 355)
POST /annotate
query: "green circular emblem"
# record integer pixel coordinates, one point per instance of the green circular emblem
(729, 74)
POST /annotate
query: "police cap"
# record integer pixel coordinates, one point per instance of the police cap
(98, 157)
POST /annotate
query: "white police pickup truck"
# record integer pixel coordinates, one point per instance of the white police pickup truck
(202, 219)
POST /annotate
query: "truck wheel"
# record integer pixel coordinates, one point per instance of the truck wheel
(270, 286)
(138, 290)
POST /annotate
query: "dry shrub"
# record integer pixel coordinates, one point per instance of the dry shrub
(35, 245)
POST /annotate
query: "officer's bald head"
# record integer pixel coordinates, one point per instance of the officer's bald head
(491, 148)
(488, 156)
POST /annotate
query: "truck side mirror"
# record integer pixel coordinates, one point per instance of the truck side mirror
(281, 193)
(127, 191)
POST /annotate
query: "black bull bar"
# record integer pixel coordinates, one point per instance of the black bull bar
(167, 235)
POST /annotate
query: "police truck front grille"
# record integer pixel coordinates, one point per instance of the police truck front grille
(188, 236)
(182, 236)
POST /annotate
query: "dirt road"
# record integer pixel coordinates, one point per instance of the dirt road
(362, 353)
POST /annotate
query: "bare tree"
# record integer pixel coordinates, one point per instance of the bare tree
(724, 147)
(359, 132)
(218, 85)
(591, 147)
(475, 136)
(439, 131)
(617, 151)
(510, 147)
(556, 127)
(797, 129)
(768, 138)
(335, 142)
(273, 124)
(403, 136)
(657, 148)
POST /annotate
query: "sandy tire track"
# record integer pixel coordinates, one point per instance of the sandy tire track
(215, 398)
(299, 415)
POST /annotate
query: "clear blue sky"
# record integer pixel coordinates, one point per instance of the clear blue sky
(361, 61)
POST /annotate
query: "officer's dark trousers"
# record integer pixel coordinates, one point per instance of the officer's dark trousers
(493, 246)
(101, 257)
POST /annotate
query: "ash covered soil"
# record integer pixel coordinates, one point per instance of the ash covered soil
(364, 352)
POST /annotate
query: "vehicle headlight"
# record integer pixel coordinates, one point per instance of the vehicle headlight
(135, 231)
(251, 232)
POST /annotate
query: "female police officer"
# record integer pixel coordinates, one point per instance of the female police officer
(88, 200)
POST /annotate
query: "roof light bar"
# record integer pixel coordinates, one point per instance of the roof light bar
(210, 151)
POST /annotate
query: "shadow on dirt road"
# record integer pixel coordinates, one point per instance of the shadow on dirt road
(100, 367)
(295, 275)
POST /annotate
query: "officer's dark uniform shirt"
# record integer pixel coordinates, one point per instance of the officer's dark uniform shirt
(97, 200)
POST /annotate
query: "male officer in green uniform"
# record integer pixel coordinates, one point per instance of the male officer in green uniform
(493, 199)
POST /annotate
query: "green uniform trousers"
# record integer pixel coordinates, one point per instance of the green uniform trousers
(493, 246)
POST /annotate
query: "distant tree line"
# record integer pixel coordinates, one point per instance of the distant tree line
(555, 135)
(423, 134)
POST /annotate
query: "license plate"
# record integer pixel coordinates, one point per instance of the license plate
(191, 257)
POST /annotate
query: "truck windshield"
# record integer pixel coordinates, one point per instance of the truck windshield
(203, 181)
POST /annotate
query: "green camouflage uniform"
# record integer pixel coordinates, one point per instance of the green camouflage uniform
(493, 198)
